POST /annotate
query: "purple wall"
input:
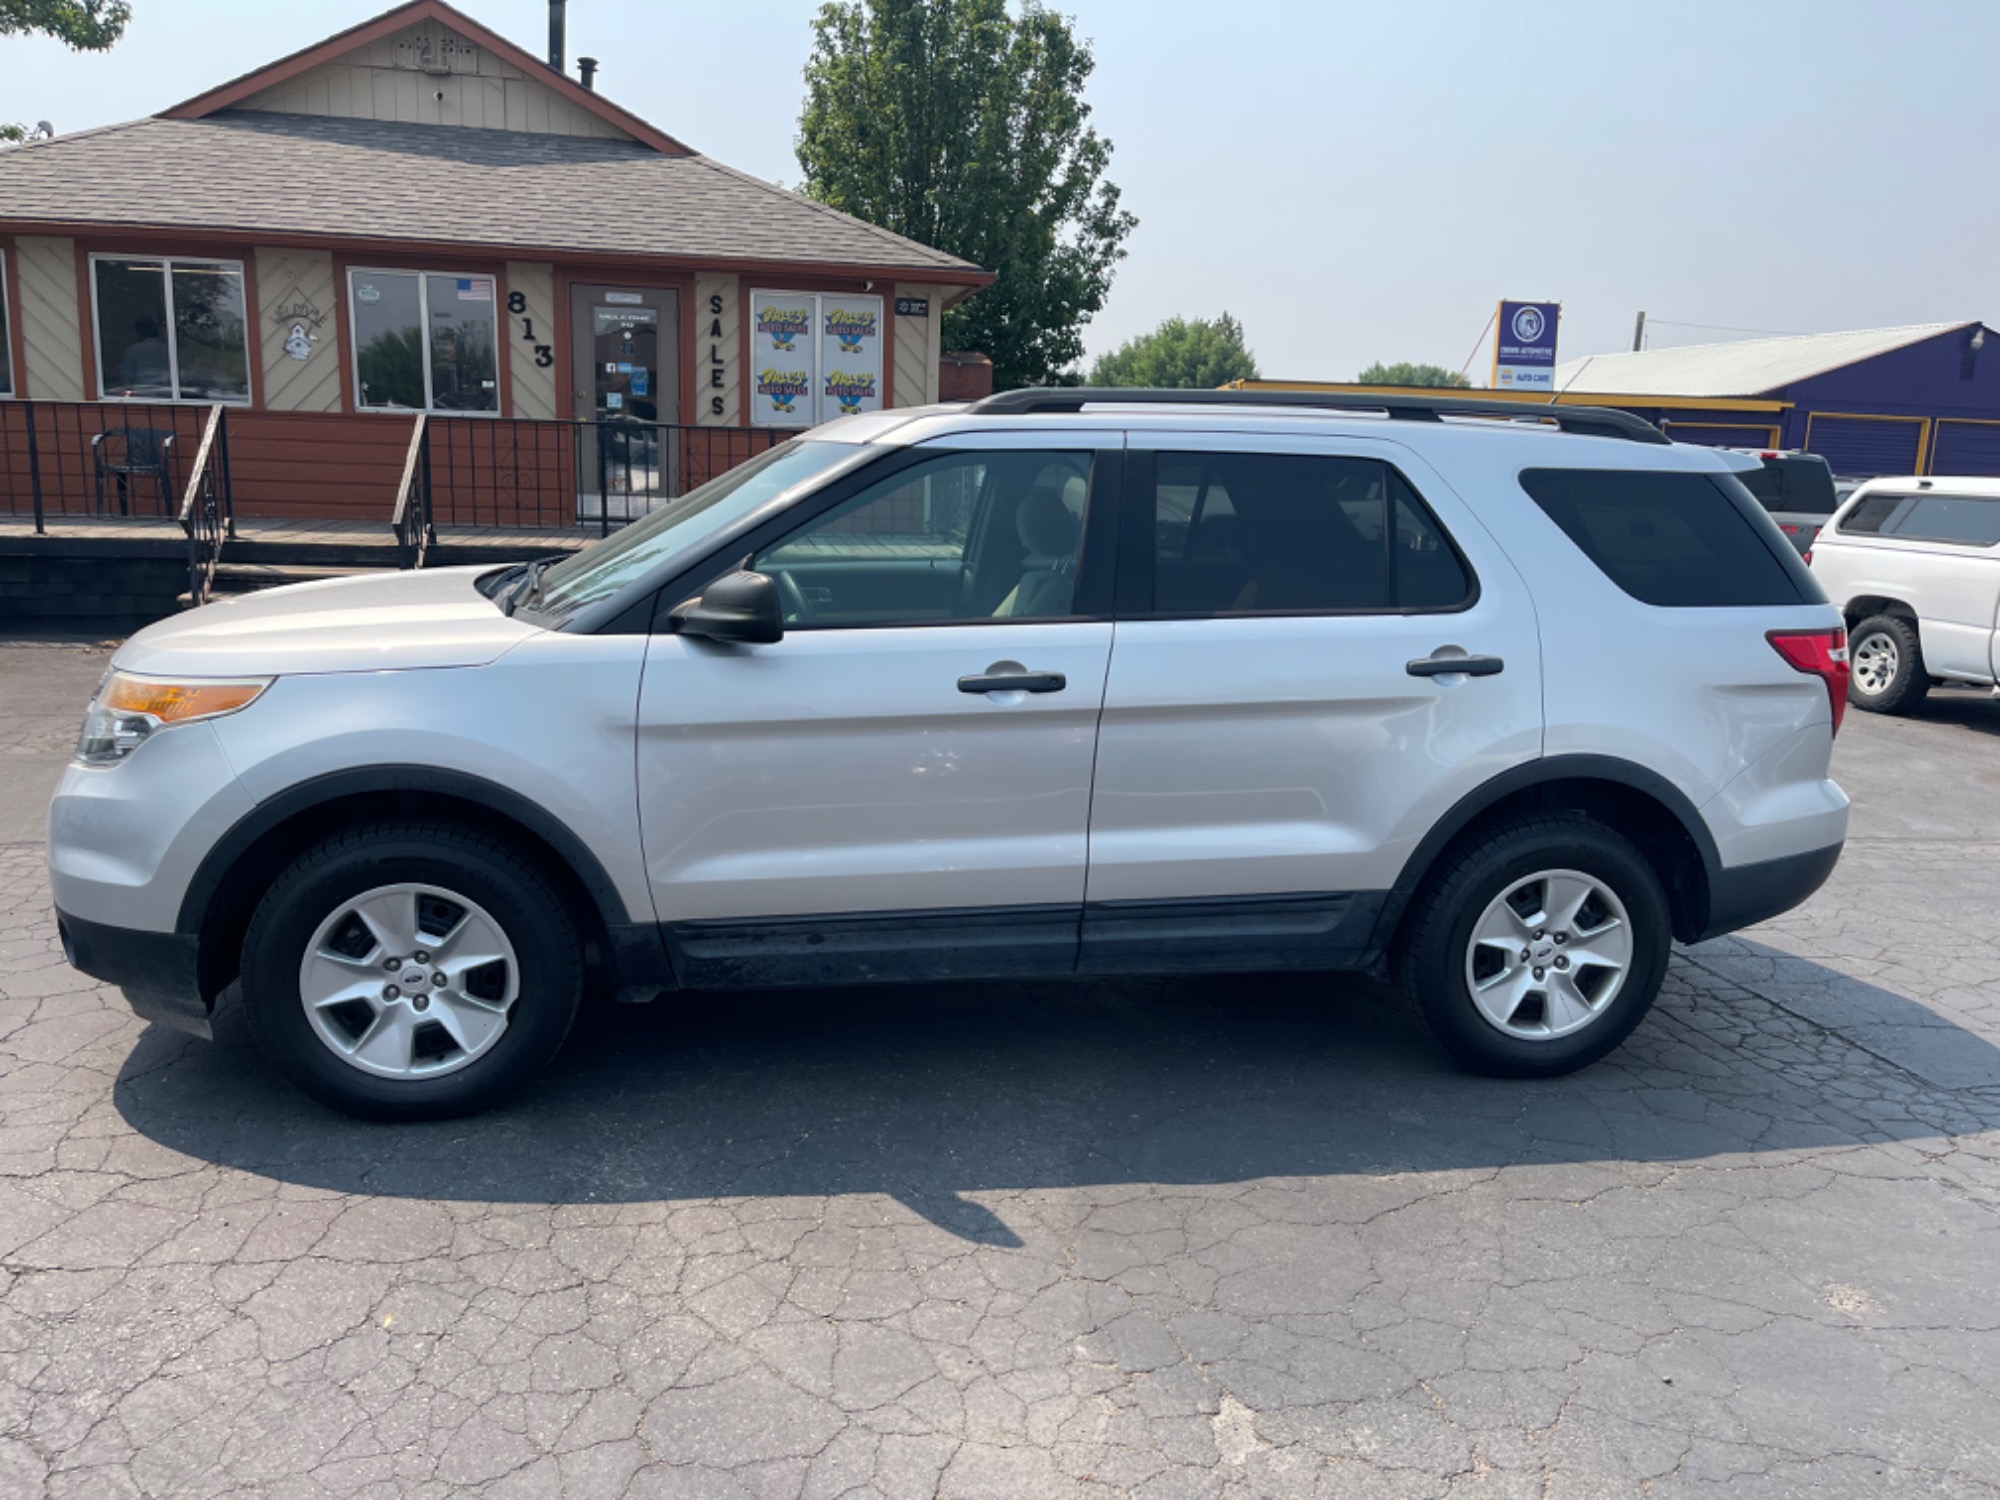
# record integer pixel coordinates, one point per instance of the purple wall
(1839, 414)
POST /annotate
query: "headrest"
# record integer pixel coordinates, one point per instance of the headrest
(1046, 526)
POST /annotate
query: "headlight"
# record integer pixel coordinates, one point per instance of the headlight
(128, 710)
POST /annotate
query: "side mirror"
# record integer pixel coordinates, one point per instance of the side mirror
(736, 607)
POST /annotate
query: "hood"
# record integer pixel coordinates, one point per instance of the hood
(434, 618)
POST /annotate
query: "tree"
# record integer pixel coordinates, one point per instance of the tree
(81, 25)
(964, 128)
(1183, 354)
(1406, 373)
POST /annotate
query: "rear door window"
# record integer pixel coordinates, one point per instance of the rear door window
(1290, 533)
(1676, 539)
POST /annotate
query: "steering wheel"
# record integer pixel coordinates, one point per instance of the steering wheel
(798, 610)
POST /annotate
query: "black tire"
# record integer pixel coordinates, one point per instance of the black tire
(1430, 958)
(510, 886)
(1908, 685)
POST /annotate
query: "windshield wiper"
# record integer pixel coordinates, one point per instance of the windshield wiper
(528, 582)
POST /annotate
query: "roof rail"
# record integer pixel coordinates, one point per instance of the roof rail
(1591, 421)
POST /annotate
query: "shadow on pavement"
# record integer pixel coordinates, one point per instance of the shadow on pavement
(1973, 709)
(927, 1093)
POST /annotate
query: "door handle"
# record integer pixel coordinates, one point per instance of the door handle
(1013, 682)
(1448, 666)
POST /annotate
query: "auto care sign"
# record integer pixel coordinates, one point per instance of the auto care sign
(1524, 346)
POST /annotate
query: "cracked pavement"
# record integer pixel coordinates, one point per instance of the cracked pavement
(1218, 1237)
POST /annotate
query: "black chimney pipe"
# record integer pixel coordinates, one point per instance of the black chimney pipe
(556, 43)
(587, 67)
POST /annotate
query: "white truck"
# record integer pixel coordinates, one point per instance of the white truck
(1914, 564)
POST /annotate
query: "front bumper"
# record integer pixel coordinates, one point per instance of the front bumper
(1743, 895)
(156, 970)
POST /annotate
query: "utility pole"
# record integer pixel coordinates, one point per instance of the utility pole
(1639, 334)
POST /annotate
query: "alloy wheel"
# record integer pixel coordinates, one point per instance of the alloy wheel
(1876, 660)
(409, 981)
(1549, 955)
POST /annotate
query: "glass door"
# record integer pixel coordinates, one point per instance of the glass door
(625, 363)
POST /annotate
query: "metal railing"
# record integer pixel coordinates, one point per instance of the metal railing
(207, 514)
(525, 473)
(414, 521)
(80, 461)
(94, 458)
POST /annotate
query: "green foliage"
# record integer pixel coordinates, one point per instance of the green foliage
(1181, 354)
(964, 128)
(83, 25)
(1406, 373)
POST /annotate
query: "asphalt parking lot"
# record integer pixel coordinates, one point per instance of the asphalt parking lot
(1163, 1239)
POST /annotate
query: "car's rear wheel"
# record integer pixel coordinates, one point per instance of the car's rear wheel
(1886, 659)
(1538, 947)
(412, 971)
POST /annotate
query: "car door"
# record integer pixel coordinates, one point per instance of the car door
(900, 787)
(1283, 720)
(1947, 548)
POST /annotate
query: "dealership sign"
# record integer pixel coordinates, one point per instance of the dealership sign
(1524, 346)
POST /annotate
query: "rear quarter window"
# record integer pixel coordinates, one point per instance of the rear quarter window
(1675, 539)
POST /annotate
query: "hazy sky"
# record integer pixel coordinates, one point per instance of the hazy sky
(1361, 181)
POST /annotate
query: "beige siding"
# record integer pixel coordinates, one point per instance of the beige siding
(50, 339)
(534, 385)
(380, 82)
(295, 287)
(718, 335)
(917, 348)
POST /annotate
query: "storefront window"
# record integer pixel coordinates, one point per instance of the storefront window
(170, 329)
(425, 341)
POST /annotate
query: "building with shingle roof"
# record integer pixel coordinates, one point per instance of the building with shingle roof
(419, 215)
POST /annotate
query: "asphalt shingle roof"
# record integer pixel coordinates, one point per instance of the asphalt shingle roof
(1752, 367)
(253, 172)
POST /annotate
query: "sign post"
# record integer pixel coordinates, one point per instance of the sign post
(1524, 346)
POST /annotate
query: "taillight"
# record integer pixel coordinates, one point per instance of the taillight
(1807, 555)
(1823, 654)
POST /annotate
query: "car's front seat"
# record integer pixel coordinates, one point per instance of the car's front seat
(1049, 533)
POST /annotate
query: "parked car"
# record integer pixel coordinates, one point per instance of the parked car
(1797, 488)
(1061, 682)
(1914, 565)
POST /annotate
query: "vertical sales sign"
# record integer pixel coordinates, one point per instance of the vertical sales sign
(1524, 346)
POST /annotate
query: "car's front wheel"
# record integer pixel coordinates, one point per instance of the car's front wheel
(407, 971)
(1538, 947)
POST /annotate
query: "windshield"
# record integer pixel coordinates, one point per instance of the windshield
(685, 525)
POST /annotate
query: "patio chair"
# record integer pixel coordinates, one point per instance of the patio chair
(129, 454)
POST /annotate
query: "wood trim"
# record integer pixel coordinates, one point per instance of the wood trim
(388, 23)
(685, 318)
(86, 301)
(888, 337)
(564, 335)
(746, 380)
(343, 345)
(253, 330)
(17, 342)
(503, 339)
(810, 277)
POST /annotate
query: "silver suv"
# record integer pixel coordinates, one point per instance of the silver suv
(1060, 683)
